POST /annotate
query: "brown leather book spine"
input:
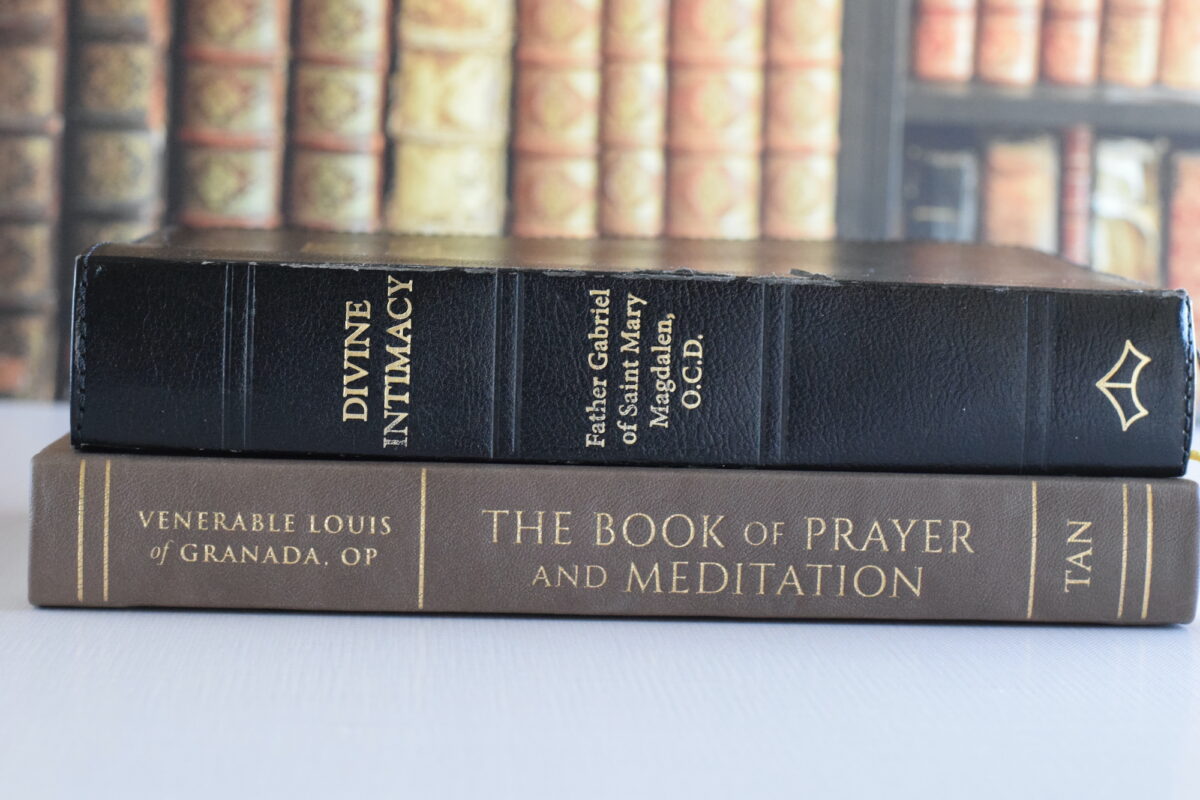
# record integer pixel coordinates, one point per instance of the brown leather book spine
(449, 117)
(1020, 205)
(1183, 258)
(336, 141)
(633, 117)
(944, 40)
(118, 530)
(32, 47)
(230, 133)
(1127, 208)
(1009, 34)
(803, 109)
(1180, 65)
(557, 123)
(1129, 44)
(1071, 42)
(117, 113)
(714, 128)
(1076, 193)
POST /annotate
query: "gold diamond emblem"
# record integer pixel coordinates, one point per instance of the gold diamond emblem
(1120, 385)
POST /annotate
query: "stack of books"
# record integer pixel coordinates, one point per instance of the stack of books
(339, 422)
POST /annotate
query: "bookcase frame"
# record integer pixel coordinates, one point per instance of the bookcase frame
(880, 101)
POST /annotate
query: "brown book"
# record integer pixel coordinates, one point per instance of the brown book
(1020, 203)
(31, 47)
(1183, 257)
(140, 530)
(1129, 43)
(802, 109)
(1009, 33)
(117, 112)
(1076, 202)
(1071, 42)
(1126, 208)
(449, 117)
(230, 133)
(944, 40)
(1180, 57)
(557, 122)
(633, 117)
(714, 128)
(336, 142)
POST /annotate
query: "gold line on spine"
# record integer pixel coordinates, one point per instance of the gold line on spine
(107, 490)
(1033, 525)
(1149, 549)
(421, 550)
(1124, 546)
(79, 534)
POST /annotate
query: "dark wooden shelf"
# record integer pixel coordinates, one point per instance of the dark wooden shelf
(1155, 110)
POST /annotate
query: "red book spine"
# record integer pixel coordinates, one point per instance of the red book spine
(1130, 42)
(1021, 193)
(231, 133)
(714, 136)
(1071, 42)
(1180, 66)
(633, 117)
(556, 128)
(803, 109)
(338, 94)
(1076, 193)
(1008, 41)
(944, 40)
(1183, 259)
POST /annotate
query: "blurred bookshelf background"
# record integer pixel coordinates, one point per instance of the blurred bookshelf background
(1070, 126)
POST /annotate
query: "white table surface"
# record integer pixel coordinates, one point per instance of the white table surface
(97, 703)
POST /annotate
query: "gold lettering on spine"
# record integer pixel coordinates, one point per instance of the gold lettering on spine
(1149, 549)
(1033, 514)
(79, 535)
(107, 491)
(1124, 546)
(421, 548)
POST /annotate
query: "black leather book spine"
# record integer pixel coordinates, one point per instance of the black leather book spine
(941, 194)
(627, 368)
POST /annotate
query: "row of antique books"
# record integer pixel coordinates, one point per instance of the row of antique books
(1125, 205)
(1068, 42)
(571, 118)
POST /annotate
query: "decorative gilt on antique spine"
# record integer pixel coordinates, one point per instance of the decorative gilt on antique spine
(1179, 63)
(803, 108)
(714, 135)
(633, 117)
(556, 129)
(338, 97)
(1009, 39)
(115, 188)
(31, 47)
(1130, 41)
(1119, 385)
(449, 117)
(231, 131)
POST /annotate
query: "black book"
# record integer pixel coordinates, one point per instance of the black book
(885, 356)
(941, 193)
